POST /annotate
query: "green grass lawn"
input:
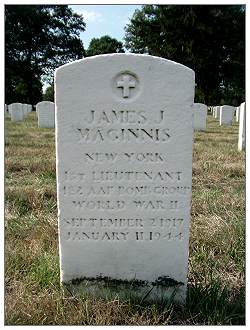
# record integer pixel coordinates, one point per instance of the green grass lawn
(216, 287)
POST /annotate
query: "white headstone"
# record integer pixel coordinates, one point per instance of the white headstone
(213, 111)
(217, 112)
(237, 114)
(29, 106)
(124, 165)
(46, 114)
(226, 115)
(200, 116)
(16, 111)
(25, 110)
(242, 127)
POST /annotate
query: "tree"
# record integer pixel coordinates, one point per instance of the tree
(209, 39)
(104, 45)
(38, 38)
(49, 94)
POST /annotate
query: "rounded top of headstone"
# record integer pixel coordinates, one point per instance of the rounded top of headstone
(15, 104)
(125, 57)
(200, 105)
(45, 103)
(225, 106)
(125, 79)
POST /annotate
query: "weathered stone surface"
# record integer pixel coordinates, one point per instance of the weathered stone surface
(237, 114)
(29, 106)
(242, 127)
(226, 115)
(217, 112)
(200, 116)
(213, 111)
(16, 111)
(46, 114)
(124, 135)
(25, 109)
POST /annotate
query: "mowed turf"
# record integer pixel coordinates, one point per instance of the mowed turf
(216, 288)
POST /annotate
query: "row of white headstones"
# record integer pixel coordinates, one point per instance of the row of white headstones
(17, 111)
(45, 111)
(226, 113)
(46, 116)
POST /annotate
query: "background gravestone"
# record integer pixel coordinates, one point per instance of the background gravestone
(226, 115)
(242, 127)
(25, 110)
(29, 106)
(124, 136)
(237, 114)
(16, 111)
(46, 114)
(217, 112)
(214, 111)
(200, 116)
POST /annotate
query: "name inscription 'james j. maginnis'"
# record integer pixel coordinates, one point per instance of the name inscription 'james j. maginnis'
(124, 165)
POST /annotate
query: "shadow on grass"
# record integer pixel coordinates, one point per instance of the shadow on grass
(215, 305)
(207, 305)
(211, 304)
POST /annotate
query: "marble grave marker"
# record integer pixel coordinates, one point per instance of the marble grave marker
(237, 115)
(16, 111)
(29, 106)
(124, 136)
(242, 127)
(217, 112)
(200, 116)
(226, 115)
(46, 114)
(25, 109)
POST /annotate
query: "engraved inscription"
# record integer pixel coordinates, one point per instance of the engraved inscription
(122, 236)
(91, 229)
(151, 236)
(104, 222)
(103, 236)
(123, 117)
(135, 126)
(147, 157)
(124, 222)
(136, 176)
(155, 205)
(118, 190)
(99, 205)
(122, 135)
(74, 189)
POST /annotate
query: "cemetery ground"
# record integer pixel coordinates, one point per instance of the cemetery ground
(216, 290)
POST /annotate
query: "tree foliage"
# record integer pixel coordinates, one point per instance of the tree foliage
(104, 45)
(49, 93)
(210, 39)
(38, 38)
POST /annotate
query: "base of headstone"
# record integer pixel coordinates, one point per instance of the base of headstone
(103, 287)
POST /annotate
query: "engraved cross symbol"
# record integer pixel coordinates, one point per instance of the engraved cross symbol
(126, 84)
